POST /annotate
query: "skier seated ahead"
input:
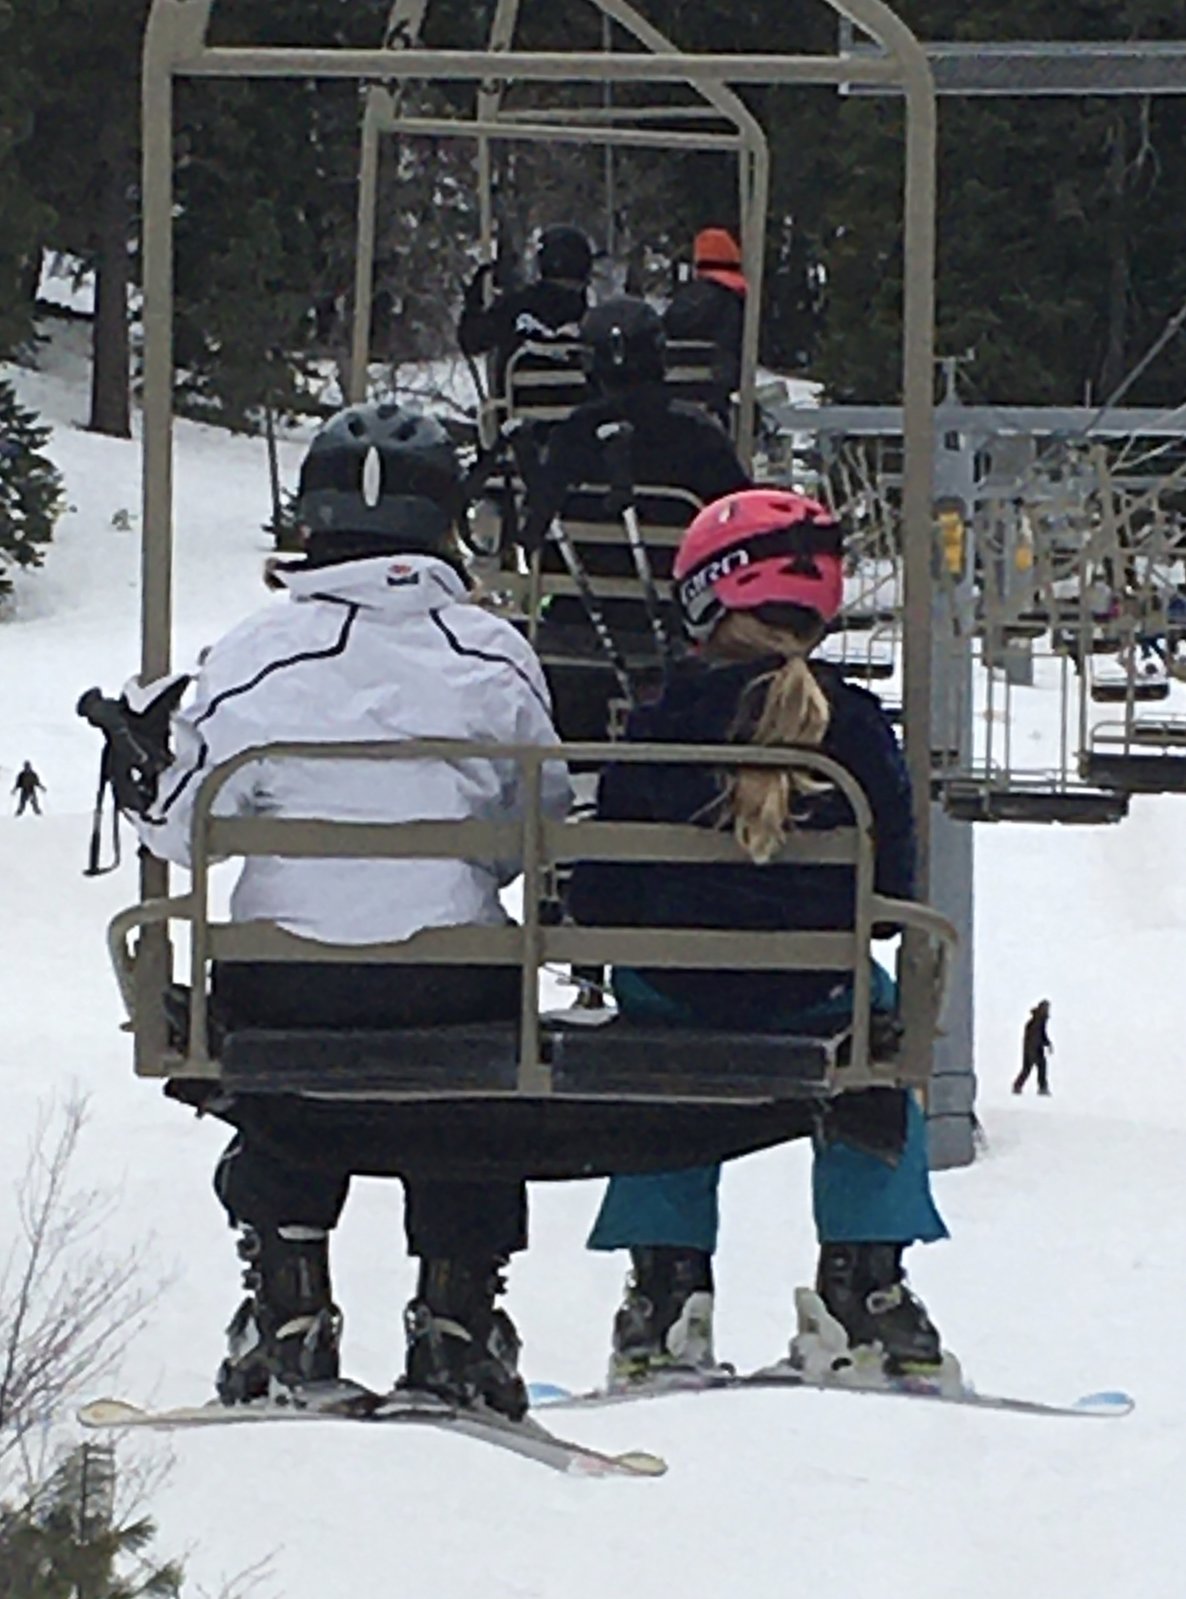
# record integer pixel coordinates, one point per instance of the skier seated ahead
(378, 640)
(671, 443)
(758, 577)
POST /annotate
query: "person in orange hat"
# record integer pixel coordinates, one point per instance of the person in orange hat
(710, 307)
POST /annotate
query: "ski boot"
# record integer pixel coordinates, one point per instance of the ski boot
(283, 1339)
(863, 1327)
(664, 1327)
(460, 1347)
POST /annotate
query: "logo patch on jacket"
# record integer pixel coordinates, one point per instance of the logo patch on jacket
(400, 576)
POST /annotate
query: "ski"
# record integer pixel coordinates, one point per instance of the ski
(1109, 1404)
(526, 1438)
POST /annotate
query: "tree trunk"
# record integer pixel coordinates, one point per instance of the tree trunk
(110, 359)
(1114, 367)
(278, 529)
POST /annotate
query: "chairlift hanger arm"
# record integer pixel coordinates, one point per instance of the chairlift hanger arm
(563, 66)
(1030, 68)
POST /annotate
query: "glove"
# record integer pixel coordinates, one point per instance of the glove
(474, 288)
(136, 727)
(149, 709)
(615, 439)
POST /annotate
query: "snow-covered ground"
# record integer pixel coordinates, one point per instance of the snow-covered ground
(1065, 1273)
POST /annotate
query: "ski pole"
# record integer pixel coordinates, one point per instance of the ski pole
(527, 463)
(615, 439)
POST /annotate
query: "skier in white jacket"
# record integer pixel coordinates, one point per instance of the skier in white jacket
(378, 640)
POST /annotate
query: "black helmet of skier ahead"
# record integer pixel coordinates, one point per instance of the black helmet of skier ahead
(564, 252)
(624, 343)
(379, 479)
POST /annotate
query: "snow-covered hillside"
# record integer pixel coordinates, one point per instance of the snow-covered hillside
(1065, 1273)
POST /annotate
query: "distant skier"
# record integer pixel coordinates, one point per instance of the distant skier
(710, 307)
(28, 785)
(758, 578)
(378, 641)
(551, 306)
(1035, 1044)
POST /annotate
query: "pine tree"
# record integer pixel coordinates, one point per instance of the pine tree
(31, 496)
(80, 159)
(24, 218)
(68, 1542)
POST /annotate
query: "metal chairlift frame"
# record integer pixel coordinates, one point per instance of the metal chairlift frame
(607, 126)
(176, 47)
(1137, 756)
(811, 1066)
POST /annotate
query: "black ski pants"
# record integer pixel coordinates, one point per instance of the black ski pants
(268, 1181)
(1029, 1064)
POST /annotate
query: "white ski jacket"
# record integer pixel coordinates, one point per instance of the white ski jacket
(386, 648)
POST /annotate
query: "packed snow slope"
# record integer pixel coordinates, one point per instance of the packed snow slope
(1065, 1272)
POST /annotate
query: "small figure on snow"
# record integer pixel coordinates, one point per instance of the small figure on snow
(28, 785)
(1035, 1044)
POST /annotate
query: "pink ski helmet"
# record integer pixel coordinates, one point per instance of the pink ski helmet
(758, 547)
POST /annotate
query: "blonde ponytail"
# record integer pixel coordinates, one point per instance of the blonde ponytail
(760, 800)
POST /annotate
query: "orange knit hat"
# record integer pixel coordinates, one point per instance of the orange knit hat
(716, 247)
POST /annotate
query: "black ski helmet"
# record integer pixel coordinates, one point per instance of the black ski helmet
(564, 252)
(379, 479)
(624, 343)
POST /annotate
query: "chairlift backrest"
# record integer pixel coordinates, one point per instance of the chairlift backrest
(543, 846)
(694, 368)
(545, 381)
(599, 538)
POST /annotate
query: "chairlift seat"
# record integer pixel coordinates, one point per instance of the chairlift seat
(973, 802)
(1135, 771)
(1020, 629)
(628, 1059)
(1141, 690)
(1161, 734)
(608, 1056)
(625, 1097)
(862, 619)
(1067, 642)
(867, 666)
(542, 1096)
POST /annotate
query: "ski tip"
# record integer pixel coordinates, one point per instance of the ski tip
(108, 1413)
(547, 1393)
(641, 1463)
(633, 1463)
(1111, 1402)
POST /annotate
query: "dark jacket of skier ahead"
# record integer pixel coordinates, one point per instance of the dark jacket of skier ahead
(710, 705)
(545, 309)
(711, 307)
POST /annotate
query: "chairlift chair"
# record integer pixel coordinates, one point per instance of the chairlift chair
(612, 1097)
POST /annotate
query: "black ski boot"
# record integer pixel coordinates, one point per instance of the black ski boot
(285, 1335)
(864, 1287)
(459, 1346)
(665, 1322)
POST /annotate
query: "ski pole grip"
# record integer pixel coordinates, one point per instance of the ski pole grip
(616, 439)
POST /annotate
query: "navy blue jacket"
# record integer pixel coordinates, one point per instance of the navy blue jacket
(701, 705)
